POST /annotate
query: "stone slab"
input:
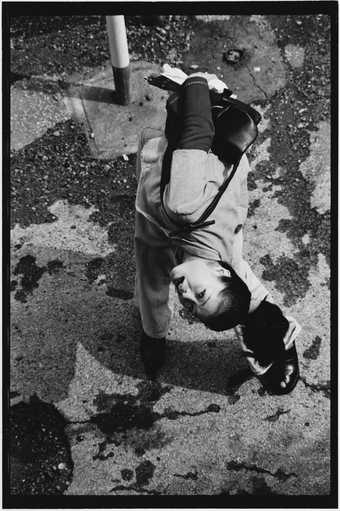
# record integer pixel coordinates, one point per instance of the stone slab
(113, 129)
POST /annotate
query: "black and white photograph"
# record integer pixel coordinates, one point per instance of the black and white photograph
(170, 285)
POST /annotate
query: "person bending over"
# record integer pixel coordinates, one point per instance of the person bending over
(205, 263)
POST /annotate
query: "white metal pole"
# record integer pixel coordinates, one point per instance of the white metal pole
(119, 57)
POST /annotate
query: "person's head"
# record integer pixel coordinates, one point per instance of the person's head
(211, 291)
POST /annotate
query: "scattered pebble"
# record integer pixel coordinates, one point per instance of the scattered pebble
(233, 56)
(91, 134)
(61, 466)
(257, 69)
(56, 133)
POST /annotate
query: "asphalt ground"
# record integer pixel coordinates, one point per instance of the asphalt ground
(77, 384)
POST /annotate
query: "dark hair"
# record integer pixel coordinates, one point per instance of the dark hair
(235, 299)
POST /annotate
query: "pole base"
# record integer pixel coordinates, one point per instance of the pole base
(121, 76)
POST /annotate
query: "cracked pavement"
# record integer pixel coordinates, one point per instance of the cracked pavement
(207, 427)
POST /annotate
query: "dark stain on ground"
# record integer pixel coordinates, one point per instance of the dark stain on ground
(54, 266)
(253, 206)
(260, 486)
(325, 388)
(120, 413)
(118, 268)
(233, 399)
(174, 414)
(139, 451)
(94, 268)
(127, 474)
(13, 393)
(279, 474)
(189, 475)
(125, 415)
(97, 266)
(40, 456)
(291, 278)
(100, 454)
(144, 472)
(123, 294)
(275, 417)
(313, 351)
(31, 274)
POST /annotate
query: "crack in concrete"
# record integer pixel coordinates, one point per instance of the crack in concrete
(173, 414)
(318, 387)
(256, 84)
(279, 474)
(135, 488)
(275, 416)
(188, 475)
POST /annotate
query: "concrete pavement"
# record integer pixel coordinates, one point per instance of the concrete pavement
(207, 427)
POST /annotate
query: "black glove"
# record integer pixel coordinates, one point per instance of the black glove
(153, 354)
(264, 332)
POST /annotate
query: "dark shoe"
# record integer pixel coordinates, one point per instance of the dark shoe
(283, 375)
(153, 355)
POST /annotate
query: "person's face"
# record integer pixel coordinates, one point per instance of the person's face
(198, 284)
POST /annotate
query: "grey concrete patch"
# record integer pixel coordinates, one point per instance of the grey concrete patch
(33, 113)
(113, 129)
(295, 55)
